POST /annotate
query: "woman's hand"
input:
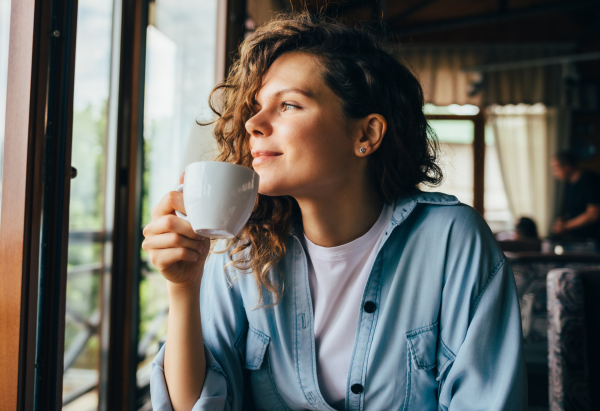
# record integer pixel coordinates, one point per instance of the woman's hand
(174, 248)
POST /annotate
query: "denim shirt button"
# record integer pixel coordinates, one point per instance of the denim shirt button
(370, 307)
(356, 388)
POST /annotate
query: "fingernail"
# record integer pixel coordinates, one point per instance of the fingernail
(202, 248)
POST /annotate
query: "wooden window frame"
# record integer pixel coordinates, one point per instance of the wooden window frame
(478, 154)
(36, 182)
(39, 62)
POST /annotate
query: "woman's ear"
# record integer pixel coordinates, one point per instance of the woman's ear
(373, 129)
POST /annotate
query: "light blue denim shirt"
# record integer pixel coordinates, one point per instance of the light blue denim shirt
(445, 333)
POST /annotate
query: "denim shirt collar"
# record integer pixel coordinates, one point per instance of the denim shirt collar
(403, 207)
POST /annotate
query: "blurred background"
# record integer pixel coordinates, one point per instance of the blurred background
(508, 84)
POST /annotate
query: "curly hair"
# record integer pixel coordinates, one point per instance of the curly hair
(368, 79)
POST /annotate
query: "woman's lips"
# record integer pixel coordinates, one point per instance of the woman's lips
(261, 157)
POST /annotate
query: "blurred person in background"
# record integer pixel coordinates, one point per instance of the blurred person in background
(581, 208)
(526, 230)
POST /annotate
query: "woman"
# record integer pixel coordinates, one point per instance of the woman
(348, 288)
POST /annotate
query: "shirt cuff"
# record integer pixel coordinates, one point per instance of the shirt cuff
(214, 392)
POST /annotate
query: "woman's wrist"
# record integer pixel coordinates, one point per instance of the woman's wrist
(184, 290)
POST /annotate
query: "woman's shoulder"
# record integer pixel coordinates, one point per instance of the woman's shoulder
(439, 209)
(456, 226)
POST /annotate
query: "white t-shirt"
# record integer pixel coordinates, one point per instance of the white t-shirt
(337, 278)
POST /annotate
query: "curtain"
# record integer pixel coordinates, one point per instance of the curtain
(440, 73)
(527, 136)
(444, 82)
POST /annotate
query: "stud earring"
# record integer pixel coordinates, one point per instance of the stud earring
(362, 150)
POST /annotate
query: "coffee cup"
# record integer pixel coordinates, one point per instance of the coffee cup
(218, 197)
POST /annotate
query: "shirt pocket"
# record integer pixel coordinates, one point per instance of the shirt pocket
(422, 387)
(256, 348)
(422, 344)
(263, 387)
(428, 351)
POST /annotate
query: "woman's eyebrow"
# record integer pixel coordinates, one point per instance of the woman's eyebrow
(295, 90)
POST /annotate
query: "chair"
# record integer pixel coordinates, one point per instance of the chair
(530, 270)
(573, 338)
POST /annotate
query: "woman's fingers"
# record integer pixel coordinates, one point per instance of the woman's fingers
(164, 258)
(173, 240)
(171, 224)
(172, 201)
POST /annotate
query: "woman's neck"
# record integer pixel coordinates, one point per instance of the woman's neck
(340, 217)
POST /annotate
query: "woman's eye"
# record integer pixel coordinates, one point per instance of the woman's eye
(288, 106)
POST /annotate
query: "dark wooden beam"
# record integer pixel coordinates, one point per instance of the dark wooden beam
(490, 18)
(340, 8)
(234, 30)
(410, 11)
(502, 6)
(479, 163)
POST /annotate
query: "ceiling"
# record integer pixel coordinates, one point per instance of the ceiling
(474, 21)
(434, 19)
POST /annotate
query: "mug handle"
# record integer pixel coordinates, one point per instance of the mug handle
(180, 214)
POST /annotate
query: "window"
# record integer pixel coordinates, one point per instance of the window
(463, 165)
(497, 210)
(456, 157)
(124, 158)
(180, 73)
(87, 205)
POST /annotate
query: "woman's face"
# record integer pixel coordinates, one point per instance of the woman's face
(301, 143)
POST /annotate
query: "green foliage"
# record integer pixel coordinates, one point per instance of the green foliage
(90, 356)
(84, 254)
(146, 176)
(88, 157)
(82, 294)
(87, 213)
(153, 298)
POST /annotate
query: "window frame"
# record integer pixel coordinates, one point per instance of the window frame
(40, 70)
(26, 150)
(478, 153)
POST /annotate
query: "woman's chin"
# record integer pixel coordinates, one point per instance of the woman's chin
(271, 193)
(272, 190)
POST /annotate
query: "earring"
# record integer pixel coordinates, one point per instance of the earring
(362, 150)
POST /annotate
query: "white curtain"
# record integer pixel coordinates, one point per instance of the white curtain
(440, 71)
(527, 136)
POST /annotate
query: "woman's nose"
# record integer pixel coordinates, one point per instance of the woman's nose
(259, 126)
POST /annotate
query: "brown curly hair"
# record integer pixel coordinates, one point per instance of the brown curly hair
(366, 78)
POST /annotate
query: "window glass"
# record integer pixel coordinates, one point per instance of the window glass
(4, 34)
(180, 73)
(497, 212)
(452, 109)
(455, 158)
(87, 206)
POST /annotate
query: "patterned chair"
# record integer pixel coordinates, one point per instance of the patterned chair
(574, 339)
(530, 270)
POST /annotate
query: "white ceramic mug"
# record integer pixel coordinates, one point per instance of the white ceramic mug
(218, 197)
